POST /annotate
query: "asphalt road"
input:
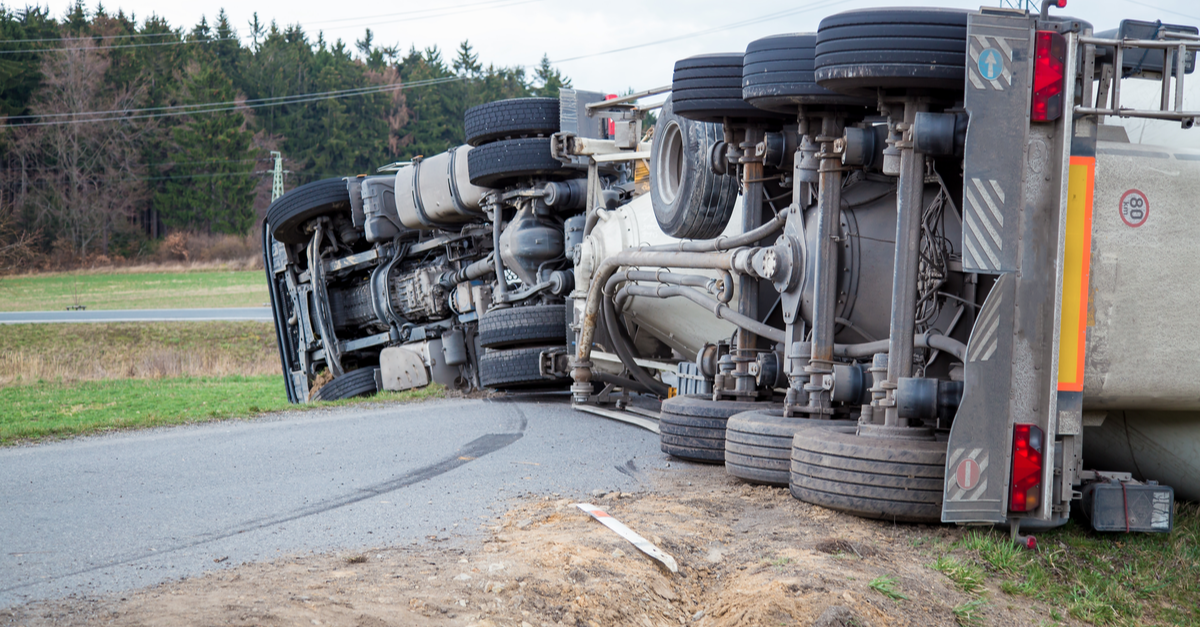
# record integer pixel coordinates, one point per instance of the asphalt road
(109, 513)
(262, 314)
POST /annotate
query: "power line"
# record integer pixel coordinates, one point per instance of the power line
(756, 20)
(167, 164)
(127, 36)
(416, 15)
(472, 5)
(120, 46)
(282, 100)
(352, 91)
(1162, 9)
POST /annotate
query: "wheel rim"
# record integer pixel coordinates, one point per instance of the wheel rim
(671, 162)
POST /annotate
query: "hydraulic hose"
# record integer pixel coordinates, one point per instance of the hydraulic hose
(719, 309)
(730, 260)
(748, 238)
(623, 345)
(670, 278)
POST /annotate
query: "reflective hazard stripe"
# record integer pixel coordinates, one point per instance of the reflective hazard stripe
(1077, 253)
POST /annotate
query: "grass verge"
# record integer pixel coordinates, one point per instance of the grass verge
(140, 290)
(1102, 579)
(80, 352)
(46, 410)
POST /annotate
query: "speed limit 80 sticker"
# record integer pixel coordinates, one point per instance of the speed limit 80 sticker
(1135, 208)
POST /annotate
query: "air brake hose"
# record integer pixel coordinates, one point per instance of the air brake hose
(623, 345)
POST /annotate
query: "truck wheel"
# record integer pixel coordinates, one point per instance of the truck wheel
(860, 51)
(692, 427)
(889, 479)
(539, 324)
(359, 382)
(708, 88)
(518, 117)
(287, 215)
(499, 163)
(690, 200)
(515, 368)
(758, 444)
(777, 75)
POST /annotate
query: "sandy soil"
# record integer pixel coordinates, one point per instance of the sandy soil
(748, 556)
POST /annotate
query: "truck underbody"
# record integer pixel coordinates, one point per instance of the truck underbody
(901, 265)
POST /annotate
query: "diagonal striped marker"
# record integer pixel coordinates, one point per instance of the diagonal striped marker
(641, 543)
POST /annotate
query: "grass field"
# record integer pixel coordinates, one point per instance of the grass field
(132, 350)
(1101, 579)
(133, 290)
(45, 410)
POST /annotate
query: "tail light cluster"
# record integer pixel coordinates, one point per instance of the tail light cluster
(1027, 462)
(1049, 70)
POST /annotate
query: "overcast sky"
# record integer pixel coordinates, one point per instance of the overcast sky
(519, 32)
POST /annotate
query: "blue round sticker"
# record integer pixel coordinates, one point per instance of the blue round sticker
(991, 64)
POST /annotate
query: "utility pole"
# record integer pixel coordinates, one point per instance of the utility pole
(1028, 5)
(277, 184)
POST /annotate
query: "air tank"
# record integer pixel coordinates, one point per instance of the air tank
(437, 192)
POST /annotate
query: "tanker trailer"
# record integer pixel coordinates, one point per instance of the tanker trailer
(930, 321)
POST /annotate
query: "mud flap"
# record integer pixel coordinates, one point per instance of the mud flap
(976, 468)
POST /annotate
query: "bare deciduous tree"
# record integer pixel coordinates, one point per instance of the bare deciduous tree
(86, 179)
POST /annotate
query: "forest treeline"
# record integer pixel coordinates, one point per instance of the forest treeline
(119, 129)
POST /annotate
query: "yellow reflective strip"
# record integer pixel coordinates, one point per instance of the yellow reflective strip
(1077, 254)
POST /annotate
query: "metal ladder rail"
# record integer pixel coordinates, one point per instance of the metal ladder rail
(1177, 49)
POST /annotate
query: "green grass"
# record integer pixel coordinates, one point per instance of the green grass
(887, 587)
(45, 410)
(968, 577)
(1103, 579)
(133, 290)
(968, 614)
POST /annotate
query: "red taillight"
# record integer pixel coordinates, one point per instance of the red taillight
(612, 124)
(1026, 469)
(1049, 64)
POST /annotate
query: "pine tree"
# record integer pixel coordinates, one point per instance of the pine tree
(208, 186)
(551, 78)
(467, 62)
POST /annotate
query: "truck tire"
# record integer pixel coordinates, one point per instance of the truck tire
(690, 200)
(888, 479)
(758, 444)
(777, 75)
(359, 382)
(861, 51)
(287, 215)
(502, 162)
(515, 368)
(514, 326)
(517, 117)
(692, 427)
(708, 88)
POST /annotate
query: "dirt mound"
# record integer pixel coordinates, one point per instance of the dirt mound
(747, 555)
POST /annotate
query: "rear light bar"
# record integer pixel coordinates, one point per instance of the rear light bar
(1026, 469)
(1049, 70)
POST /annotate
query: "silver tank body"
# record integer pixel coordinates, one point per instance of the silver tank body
(1142, 359)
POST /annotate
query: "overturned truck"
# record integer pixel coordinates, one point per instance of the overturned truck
(905, 265)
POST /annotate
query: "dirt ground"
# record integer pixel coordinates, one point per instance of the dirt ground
(747, 555)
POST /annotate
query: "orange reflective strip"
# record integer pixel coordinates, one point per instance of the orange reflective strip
(1077, 255)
